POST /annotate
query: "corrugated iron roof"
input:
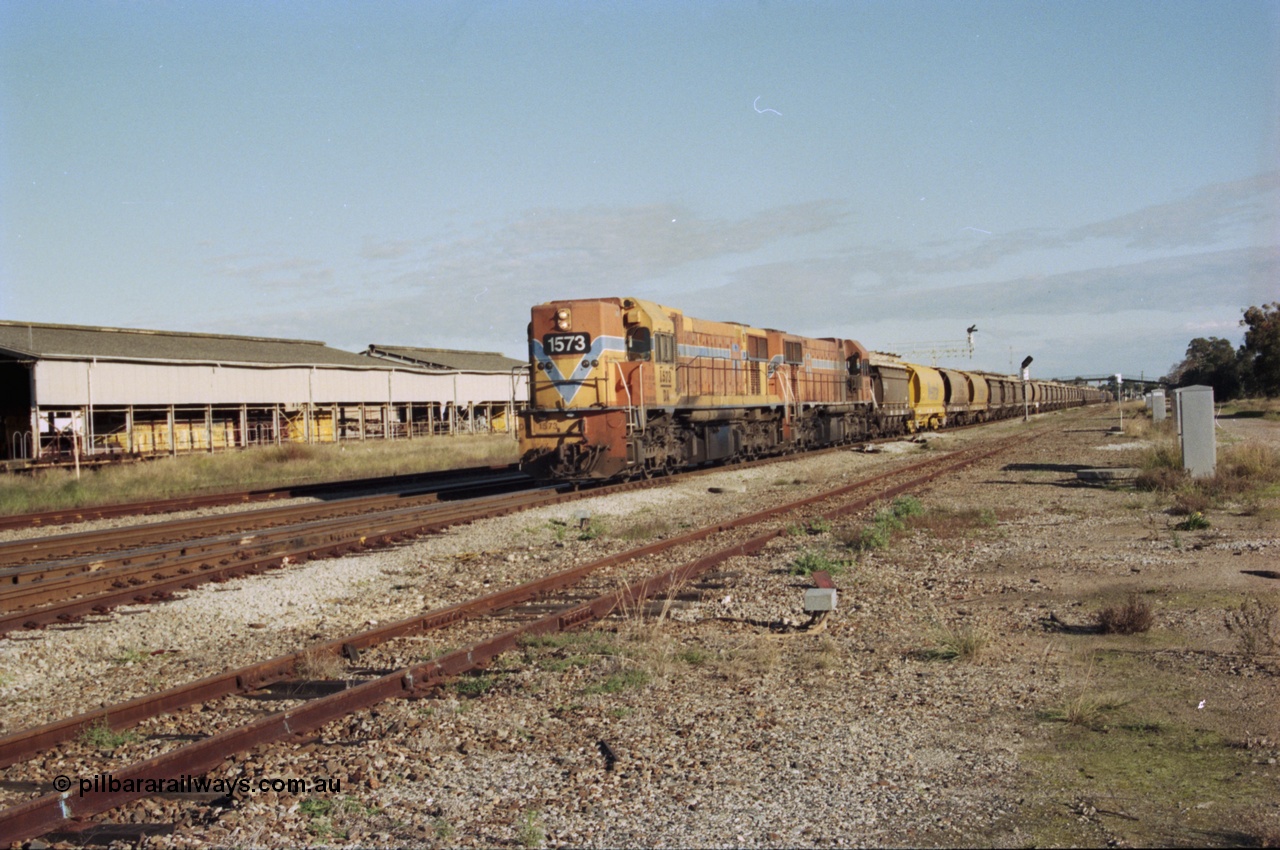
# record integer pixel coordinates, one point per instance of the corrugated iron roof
(33, 340)
(446, 358)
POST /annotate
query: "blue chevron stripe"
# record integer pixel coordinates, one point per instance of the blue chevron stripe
(568, 387)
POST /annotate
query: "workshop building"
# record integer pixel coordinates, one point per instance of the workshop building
(68, 390)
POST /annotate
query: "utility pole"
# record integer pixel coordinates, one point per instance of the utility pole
(1026, 375)
(1120, 399)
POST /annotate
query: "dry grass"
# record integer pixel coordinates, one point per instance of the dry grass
(1259, 408)
(1161, 465)
(1142, 427)
(1243, 470)
(645, 640)
(1189, 501)
(1250, 464)
(1255, 625)
(316, 664)
(964, 642)
(647, 528)
(750, 657)
(1131, 618)
(255, 468)
(824, 654)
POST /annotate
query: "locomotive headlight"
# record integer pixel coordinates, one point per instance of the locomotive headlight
(564, 319)
(586, 363)
(595, 363)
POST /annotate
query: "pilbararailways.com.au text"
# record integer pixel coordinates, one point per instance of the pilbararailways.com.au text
(106, 783)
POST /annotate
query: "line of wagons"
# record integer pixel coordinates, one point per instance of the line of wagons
(626, 387)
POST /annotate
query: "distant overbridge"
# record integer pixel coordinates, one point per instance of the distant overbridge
(1143, 382)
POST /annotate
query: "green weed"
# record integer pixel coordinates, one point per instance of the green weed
(1195, 521)
(531, 833)
(443, 830)
(811, 561)
(907, 506)
(592, 529)
(100, 736)
(694, 657)
(314, 807)
(821, 525)
(129, 657)
(476, 685)
(647, 529)
(618, 682)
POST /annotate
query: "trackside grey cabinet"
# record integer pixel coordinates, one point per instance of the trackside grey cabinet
(1157, 406)
(1194, 407)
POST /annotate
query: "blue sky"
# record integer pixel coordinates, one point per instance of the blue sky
(1091, 183)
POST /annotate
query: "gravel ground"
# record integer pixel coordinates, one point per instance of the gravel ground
(714, 724)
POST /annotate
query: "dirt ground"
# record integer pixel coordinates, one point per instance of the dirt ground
(1167, 737)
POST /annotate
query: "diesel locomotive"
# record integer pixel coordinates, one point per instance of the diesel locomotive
(623, 387)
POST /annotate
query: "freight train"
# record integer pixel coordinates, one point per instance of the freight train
(622, 387)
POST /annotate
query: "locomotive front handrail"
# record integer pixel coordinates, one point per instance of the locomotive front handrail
(627, 387)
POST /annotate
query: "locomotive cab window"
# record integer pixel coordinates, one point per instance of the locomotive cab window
(639, 344)
(793, 352)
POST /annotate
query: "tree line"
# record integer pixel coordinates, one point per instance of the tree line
(1253, 369)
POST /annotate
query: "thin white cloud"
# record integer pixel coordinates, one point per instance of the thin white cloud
(1205, 217)
(261, 269)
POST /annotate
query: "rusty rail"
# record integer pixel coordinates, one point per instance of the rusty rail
(22, 560)
(65, 516)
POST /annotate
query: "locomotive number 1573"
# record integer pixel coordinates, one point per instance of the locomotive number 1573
(579, 343)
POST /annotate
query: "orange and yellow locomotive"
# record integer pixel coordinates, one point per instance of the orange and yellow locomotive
(623, 386)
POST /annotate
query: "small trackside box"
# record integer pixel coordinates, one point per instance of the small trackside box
(817, 599)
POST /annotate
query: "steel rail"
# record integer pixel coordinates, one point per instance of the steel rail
(23, 559)
(95, 586)
(97, 592)
(45, 813)
(66, 516)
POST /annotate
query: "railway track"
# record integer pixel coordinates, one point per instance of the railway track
(63, 578)
(47, 593)
(16, 555)
(328, 489)
(374, 669)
